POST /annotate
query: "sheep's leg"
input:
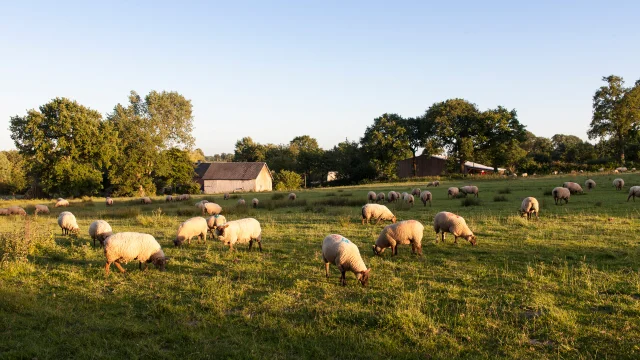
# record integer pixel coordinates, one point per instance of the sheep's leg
(119, 266)
(394, 250)
(259, 240)
(455, 239)
(377, 222)
(343, 278)
(326, 269)
(250, 244)
(230, 247)
(94, 242)
(107, 267)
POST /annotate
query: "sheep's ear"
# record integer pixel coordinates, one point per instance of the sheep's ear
(223, 226)
(167, 259)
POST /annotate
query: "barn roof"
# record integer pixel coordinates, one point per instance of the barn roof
(233, 170)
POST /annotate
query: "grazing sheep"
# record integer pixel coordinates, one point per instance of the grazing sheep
(214, 221)
(99, 230)
(403, 232)
(513, 176)
(241, 202)
(380, 197)
(529, 206)
(292, 196)
(449, 222)
(409, 199)
(621, 169)
(378, 212)
(200, 204)
(169, 198)
(186, 197)
(574, 188)
(453, 192)
(41, 209)
(226, 196)
(345, 255)
(108, 201)
(404, 196)
(5, 212)
(67, 222)
(618, 183)
(415, 192)
(255, 202)
(524, 175)
(145, 200)
(633, 192)
(16, 210)
(426, 196)
(430, 183)
(128, 246)
(371, 196)
(240, 232)
(436, 183)
(211, 208)
(392, 196)
(561, 193)
(61, 203)
(196, 226)
(590, 184)
(466, 190)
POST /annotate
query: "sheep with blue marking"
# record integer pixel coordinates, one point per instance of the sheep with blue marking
(340, 251)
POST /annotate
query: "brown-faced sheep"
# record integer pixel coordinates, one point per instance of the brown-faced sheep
(449, 222)
(561, 193)
(338, 250)
(378, 212)
(404, 232)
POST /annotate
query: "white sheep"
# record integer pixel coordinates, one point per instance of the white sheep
(292, 196)
(371, 196)
(409, 199)
(378, 212)
(67, 222)
(211, 208)
(392, 196)
(426, 196)
(529, 206)
(214, 221)
(196, 226)
(470, 189)
(380, 197)
(338, 250)
(430, 183)
(241, 202)
(403, 232)
(524, 175)
(621, 169)
(4, 211)
(255, 202)
(108, 201)
(633, 192)
(403, 196)
(574, 188)
(200, 204)
(186, 196)
(61, 203)
(17, 210)
(453, 192)
(240, 232)
(618, 183)
(590, 184)
(226, 196)
(415, 192)
(145, 200)
(169, 198)
(436, 183)
(449, 222)
(128, 246)
(561, 193)
(99, 230)
(41, 209)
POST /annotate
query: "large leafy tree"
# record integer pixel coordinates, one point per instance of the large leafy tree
(384, 143)
(503, 134)
(63, 145)
(616, 112)
(308, 156)
(13, 178)
(248, 150)
(174, 169)
(350, 162)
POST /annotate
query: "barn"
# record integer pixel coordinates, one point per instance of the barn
(435, 165)
(225, 177)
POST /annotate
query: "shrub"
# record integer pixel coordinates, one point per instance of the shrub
(287, 180)
(277, 196)
(499, 198)
(470, 202)
(17, 245)
(461, 196)
(504, 191)
(189, 212)
(548, 193)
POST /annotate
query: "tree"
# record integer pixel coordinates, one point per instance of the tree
(616, 112)
(64, 147)
(287, 180)
(307, 154)
(174, 169)
(350, 162)
(196, 155)
(248, 150)
(384, 143)
(503, 134)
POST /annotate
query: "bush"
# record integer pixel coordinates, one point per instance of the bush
(470, 202)
(17, 245)
(277, 196)
(504, 191)
(548, 193)
(499, 198)
(287, 180)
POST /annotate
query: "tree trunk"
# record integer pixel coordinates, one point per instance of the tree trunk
(621, 149)
(462, 166)
(415, 172)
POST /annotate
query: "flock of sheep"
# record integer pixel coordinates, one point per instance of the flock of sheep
(128, 246)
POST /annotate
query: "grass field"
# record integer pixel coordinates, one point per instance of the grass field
(564, 286)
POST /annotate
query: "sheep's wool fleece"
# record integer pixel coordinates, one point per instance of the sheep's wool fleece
(129, 246)
(529, 204)
(343, 253)
(402, 232)
(192, 227)
(573, 187)
(42, 209)
(215, 220)
(561, 193)
(391, 195)
(425, 195)
(452, 223)
(371, 195)
(374, 211)
(67, 220)
(99, 228)
(469, 189)
(618, 183)
(241, 231)
(634, 190)
(17, 210)
(453, 191)
(62, 203)
(4, 211)
(212, 208)
(590, 184)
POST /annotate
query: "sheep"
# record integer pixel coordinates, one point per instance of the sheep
(409, 199)
(99, 230)
(590, 184)
(426, 196)
(240, 232)
(436, 183)
(211, 209)
(226, 196)
(449, 222)
(415, 192)
(108, 201)
(574, 188)
(67, 222)
(453, 192)
(169, 198)
(430, 183)
(392, 196)
(196, 226)
(200, 204)
(127, 246)
(561, 193)
(5, 212)
(255, 202)
(403, 232)
(16, 210)
(214, 221)
(186, 197)
(469, 190)
(513, 176)
(371, 196)
(529, 205)
(621, 169)
(292, 196)
(633, 192)
(404, 195)
(618, 183)
(524, 175)
(241, 202)
(44, 209)
(377, 211)
(61, 203)
(145, 200)
(380, 197)
(345, 255)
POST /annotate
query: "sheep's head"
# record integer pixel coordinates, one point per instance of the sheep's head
(472, 239)
(179, 240)
(393, 219)
(363, 277)
(160, 263)
(377, 250)
(220, 230)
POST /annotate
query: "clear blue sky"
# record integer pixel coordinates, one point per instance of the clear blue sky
(274, 70)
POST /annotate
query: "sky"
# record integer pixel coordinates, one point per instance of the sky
(273, 70)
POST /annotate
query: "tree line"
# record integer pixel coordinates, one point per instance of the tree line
(145, 145)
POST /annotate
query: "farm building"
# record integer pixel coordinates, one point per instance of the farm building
(436, 165)
(223, 177)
